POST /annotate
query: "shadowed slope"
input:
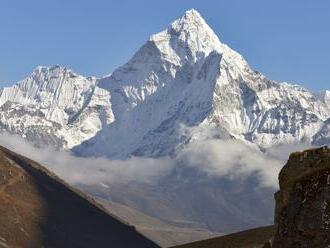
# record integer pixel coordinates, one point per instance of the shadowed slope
(254, 238)
(37, 209)
(163, 233)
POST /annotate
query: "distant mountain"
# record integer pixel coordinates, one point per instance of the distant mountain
(56, 107)
(39, 210)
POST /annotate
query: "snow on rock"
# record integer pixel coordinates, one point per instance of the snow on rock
(324, 96)
(322, 137)
(54, 106)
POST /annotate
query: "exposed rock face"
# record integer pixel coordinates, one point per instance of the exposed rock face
(302, 215)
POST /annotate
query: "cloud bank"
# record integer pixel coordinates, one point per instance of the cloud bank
(217, 158)
(79, 170)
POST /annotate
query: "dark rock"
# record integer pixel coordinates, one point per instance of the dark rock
(302, 214)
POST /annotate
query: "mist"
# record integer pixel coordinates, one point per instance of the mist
(217, 158)
(89, 171)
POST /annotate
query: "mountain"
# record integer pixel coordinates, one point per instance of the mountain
(56, 107)
(39, 210)
(183, 84)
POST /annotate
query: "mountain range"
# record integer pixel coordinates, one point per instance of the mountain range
(183, 84)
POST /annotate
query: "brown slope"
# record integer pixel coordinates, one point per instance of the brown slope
(163, 233)
(37, 209)
(253, 238)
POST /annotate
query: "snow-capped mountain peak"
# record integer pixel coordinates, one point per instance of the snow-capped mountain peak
(185, 77)
(189, 38)
(191, 32)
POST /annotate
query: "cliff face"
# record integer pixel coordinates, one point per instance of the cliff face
(302, 214)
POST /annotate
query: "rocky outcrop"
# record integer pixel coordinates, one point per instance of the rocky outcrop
(302, 214)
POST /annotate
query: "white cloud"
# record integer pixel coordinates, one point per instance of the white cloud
(232, 159)
(217, 158)
(77, 170)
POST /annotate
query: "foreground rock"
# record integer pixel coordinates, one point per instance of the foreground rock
(302, 215)
(39, 210)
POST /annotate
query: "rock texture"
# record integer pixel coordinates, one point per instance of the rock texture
(302, 215)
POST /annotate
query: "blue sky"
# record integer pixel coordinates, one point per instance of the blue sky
(287, 40)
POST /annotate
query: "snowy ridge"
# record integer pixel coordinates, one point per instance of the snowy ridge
(55, 106)
(183, 84)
